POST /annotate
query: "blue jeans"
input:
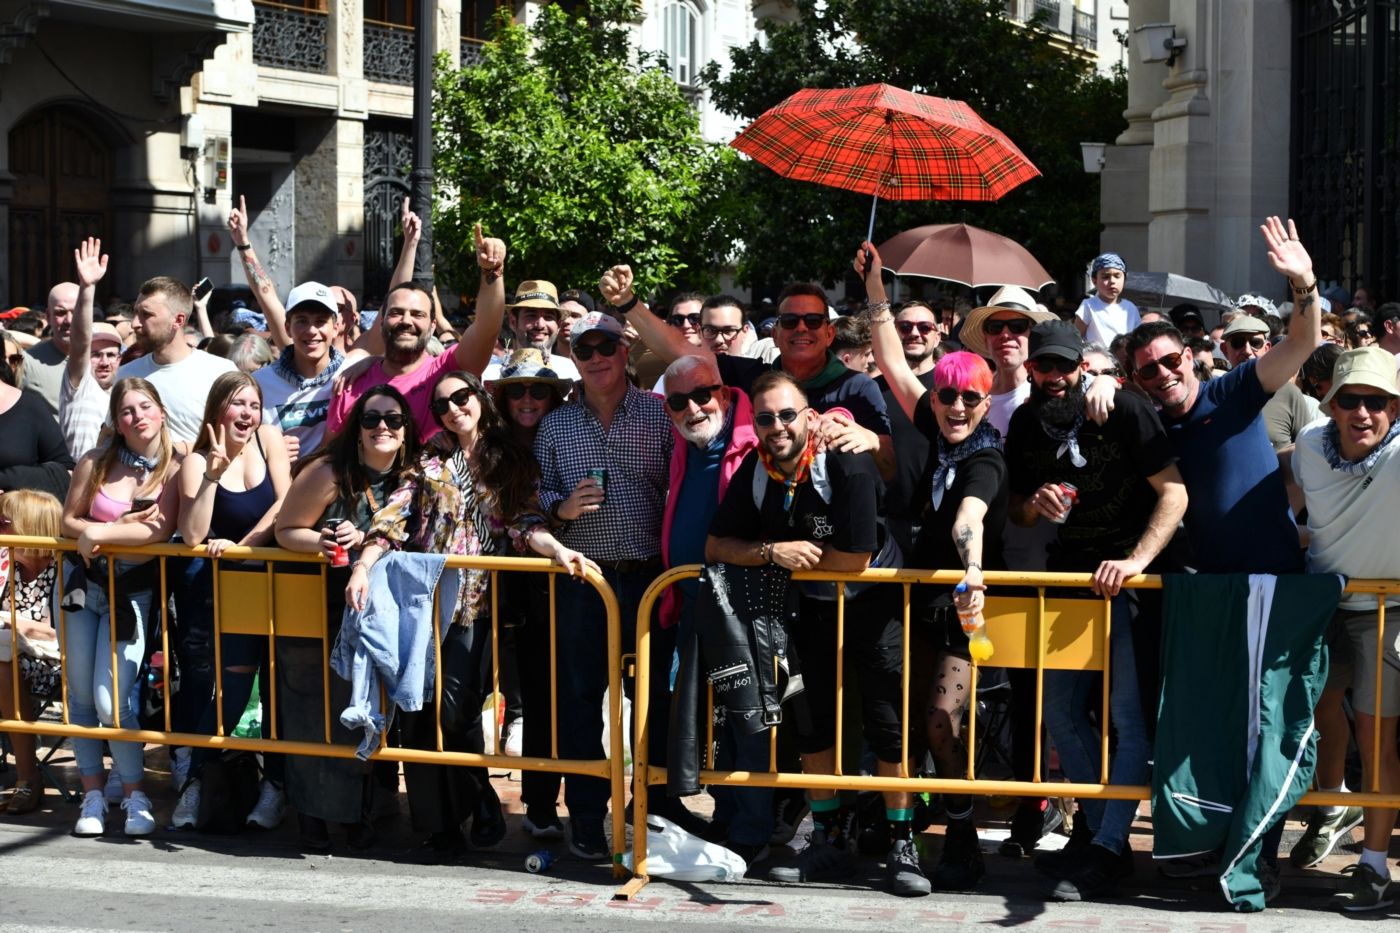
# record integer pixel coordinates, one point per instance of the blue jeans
(583, 678)
(86, 638)
(1067, 719)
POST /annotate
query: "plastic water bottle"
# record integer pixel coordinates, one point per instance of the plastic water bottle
(975, 627)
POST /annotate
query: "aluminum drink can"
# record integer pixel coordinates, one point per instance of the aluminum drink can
(601, 475)
(339, 557)
(1071, 492)
(540, 861)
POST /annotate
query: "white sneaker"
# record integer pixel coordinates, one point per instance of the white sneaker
(179, 768)
(515, 738)
(93, 819)
(139, 821)
(270, 807)
(113, 791)
(187, 807)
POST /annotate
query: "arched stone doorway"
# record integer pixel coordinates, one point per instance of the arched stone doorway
(62, 168)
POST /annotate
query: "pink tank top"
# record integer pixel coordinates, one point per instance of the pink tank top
(106, 509)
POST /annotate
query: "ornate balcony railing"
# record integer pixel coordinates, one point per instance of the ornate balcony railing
(470, 52)
(290, 37)
(1086, 30)
(1051, 9)
(388, 53)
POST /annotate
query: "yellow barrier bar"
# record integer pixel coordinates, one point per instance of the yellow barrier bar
(437, 665)
(970, 719)
(840, 666)
(325, 658)
(1104, 722)
(112, 641)
(15, 674)
(904, 693)
(218, 654)
(1380, 695)
(616, 725)
(63, 643)
(553, 675)
(496, 698)
(165, 644)
(1039, 682)
(269, 676)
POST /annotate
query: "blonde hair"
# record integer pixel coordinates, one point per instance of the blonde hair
(106, 457)
(32, 514)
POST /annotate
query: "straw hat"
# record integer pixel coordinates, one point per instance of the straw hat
(1007, 298)
(528, 364)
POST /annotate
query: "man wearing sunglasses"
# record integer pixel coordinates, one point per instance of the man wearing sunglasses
(604, 461)
(1129, 501)
(803, 509)
(1349, 469)
(1238, 519)
(855, 415)
(713, 428)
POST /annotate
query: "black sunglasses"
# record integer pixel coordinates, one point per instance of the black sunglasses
(711, 331)
(812, 321)
(1351, 401)
(1055, 365)
(393, 420)
(1238, 341)
(677, 320)
(1017, 326)
(539, 391)
(1361, 334)
(1115, 372)
(766, 419)
(459, 398)
(948, 396)
(1149, 370)
(906, 328)
(584, 351)
(677, 401)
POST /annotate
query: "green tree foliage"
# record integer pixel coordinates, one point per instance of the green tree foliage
(1043, 99)
(579, 154)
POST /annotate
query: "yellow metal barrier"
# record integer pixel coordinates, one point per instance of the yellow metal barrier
(270, 603)
(1044, 633)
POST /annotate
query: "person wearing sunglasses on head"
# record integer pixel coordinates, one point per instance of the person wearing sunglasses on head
(603, 462)
(1129, 500)
(1348, 467)
(855, 417)
(803, 508)
(723, 331)
(333, 498)
(1220, 435)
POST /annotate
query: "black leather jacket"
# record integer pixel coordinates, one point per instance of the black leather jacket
(739, 639)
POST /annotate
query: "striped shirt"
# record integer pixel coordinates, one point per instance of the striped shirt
(81, 413)
(635, 450)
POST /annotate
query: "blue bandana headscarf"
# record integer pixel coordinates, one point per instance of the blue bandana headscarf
(1107, 261)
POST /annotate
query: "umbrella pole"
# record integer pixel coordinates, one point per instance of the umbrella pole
(870, 230)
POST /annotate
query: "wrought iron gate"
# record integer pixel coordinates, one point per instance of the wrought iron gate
(1346, 139)
(388, 161)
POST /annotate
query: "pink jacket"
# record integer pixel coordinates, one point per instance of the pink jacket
(741, 440)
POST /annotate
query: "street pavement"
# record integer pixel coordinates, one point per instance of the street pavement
(188, 881)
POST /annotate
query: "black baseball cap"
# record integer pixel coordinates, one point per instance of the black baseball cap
(583, 298)
(1056, 338)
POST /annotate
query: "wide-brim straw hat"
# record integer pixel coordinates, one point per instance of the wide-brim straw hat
(1007, 298)
(528, 364)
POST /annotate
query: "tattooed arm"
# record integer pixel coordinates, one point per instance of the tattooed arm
(258, 280)
(967, 536)
(1281, 364)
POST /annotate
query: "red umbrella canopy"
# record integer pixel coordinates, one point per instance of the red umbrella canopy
(888, 142)
(959, 253)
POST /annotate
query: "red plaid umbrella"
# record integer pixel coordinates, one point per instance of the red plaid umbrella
(887, 142)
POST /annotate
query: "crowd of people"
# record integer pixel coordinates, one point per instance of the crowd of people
(610, 437)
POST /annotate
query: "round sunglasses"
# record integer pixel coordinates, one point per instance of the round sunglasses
(970, 399)
(906, 328)
(766, 419)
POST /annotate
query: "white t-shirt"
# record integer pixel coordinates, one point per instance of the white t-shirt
(563, 367)
(1106, 321)
(183, 387)
(1351, 516)
(1005, 404)
(299, 412)
(81, 413)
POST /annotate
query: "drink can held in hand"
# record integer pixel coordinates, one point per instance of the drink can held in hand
(540, 861)
(601, 476)
(339, 557)
(1069, 492)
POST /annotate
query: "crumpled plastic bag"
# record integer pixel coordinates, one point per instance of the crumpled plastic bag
(676, 854)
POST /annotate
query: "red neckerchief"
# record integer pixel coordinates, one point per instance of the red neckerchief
(799, 475)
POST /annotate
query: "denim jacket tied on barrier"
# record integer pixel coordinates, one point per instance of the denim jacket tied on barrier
(391, 640)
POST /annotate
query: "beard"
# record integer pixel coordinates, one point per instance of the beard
(399, 353)
(1059, 412)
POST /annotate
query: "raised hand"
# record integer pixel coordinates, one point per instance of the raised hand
(411, 223)
(91, 261)
(867, 263)
(1286, 252)
(216, 458)
(616, 285)
(238, 222)
(490, 252)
